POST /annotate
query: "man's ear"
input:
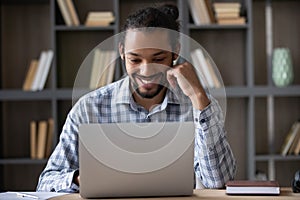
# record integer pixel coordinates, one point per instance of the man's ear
(121, 51)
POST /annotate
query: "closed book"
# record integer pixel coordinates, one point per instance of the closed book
(39, 71)
(289, 138)
(195, 12)
(297, 149)
(232, 21)
(245, 187)
(42, 138)
(73, 13)
(46, 69)
(295, 140)
(65, 12)
(33, 140)
(227, 5)
(30, 75)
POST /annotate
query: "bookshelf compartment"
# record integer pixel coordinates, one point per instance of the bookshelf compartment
(286, 29)
(12, 174)
(82, 8)
(72, 49)
(261, 129)
(235, 126)
(259, 43)
(221, 45)
(287, 111)
(289, 168)
(16, 117)
(285, 34)
(25, 32)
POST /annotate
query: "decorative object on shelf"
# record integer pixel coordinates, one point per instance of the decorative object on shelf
(282, 67)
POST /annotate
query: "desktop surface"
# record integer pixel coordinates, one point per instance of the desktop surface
(205, 194)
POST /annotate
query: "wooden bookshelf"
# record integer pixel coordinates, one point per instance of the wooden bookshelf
(238, 50)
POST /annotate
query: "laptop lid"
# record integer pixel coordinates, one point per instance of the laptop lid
(136, 159)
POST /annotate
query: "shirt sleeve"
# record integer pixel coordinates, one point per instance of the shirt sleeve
(63, 163)
(214, 161)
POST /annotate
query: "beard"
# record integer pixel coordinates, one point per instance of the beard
(148, 93)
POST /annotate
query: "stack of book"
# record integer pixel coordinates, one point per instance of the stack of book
(103, 68)
(103, 18)
(201, 11)
(291, 144)
(228, 13)
(68, 12)
(41, 138)
(38, 72)
(205, 69)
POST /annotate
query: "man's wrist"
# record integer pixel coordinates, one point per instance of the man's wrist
(200, 101)
(76, 177)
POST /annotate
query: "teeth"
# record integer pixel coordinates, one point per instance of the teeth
(145, 81)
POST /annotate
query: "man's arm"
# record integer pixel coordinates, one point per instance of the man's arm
(62, 167)
(214, 160)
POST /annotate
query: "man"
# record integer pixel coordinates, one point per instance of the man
(154, 90)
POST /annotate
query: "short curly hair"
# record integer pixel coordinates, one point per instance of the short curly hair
(165, 16)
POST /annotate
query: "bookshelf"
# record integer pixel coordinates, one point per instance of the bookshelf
(250, 92)
(279, 108)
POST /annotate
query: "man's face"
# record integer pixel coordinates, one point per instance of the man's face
(147, 56)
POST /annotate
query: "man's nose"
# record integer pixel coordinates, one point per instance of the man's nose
(148, 69)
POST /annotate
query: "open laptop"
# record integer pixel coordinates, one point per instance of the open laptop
(136, 159)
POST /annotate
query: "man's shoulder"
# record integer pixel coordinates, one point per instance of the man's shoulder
(103, 92)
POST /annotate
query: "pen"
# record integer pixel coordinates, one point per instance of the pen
(19, 194)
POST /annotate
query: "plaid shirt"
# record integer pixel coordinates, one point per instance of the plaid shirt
(214, 162)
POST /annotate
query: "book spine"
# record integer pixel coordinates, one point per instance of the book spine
(33, 128)
(64, 11)
(42, 137)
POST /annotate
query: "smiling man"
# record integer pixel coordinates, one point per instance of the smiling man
(155, 90)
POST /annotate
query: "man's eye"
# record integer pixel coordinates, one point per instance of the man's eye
(158, 59)
(135, 61)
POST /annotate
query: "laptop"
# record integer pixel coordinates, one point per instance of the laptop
(136, 159)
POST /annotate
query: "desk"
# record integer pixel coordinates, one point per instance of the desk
(204, 194)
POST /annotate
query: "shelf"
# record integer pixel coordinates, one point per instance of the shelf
(258, 91)
(24, 1)
(277, 157)
(84, 28)
(20, 95)
(216, 27)
(20, 161)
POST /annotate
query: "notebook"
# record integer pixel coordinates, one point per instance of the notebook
(252, 187)
(136, 159)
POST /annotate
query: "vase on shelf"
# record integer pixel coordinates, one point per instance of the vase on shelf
(282, 67)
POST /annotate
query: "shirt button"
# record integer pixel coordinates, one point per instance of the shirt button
(196, 119)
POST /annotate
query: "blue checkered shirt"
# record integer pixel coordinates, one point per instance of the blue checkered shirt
(214, 162)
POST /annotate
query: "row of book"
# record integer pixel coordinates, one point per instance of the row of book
(205, 12)
(41, 138)
(291, 144)
(38, 71)
(228, 13)
(103, 68)
(94, 18)
(205, 69)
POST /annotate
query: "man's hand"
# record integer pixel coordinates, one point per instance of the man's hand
(76, 179)
(186, 77)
